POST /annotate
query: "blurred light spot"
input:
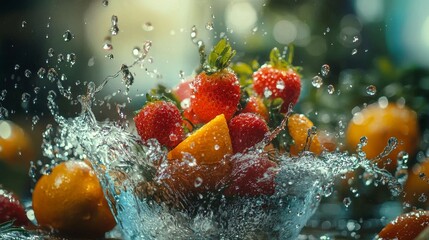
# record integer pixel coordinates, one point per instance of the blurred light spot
(5, 130)
(369, 10)
(317, 46)
(241, 16)
(284, 32)
(351, 20)
(303, 36)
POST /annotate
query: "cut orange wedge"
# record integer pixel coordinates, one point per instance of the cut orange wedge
(208, 145)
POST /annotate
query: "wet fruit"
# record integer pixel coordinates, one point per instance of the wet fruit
(216, 90)
(12, 209)
(278, 79)
(252, 176)
(15, 144)
(300, 129)
(380, 122)
(207, 145)
(416, 188)
(405, 227)
(162, 121)
(256, 105)
(71, 200)
(201, 157)
(246, 130)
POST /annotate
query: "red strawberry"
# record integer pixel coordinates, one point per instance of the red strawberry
(256, 105)
(160, 120)
(278, 79)
(11, 209)
(246, 129)
(216, 90)
(252, 176)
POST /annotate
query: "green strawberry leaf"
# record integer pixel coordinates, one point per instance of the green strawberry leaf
(283, 140)
(279, 62)
(220, 57)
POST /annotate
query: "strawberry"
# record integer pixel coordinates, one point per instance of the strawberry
(160, 120)
(256, 105)
(246, 130)
(11, 209)
(252, 176)
(216, 89)
(278, 79)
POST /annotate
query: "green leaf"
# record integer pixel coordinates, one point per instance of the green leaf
(220, 57)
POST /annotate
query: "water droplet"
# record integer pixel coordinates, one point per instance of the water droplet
(210, 26)
(317, 81)
(50, 52)
(114, 30)
(267, 93)
(324, 70)
(35, 120)
(4, 113)
(371, 90)
(109, 56)
(91, 62)
(198, 181)
(63, 77)
(105, 3)
(355, 39)
(16, 67)
(27, 73)
(71, 58)
(354, 51)
(60, 58)
(193, 32)
(52, 75)
(347, 201)
(216, 147)
(23, 24)
(146, 47)
(25, 97)
(107, 46)
(280, 84)
(331, 89)
(41, 72)
(36, 90)
(67, 36)
(423, 198)
(147, 26)
(363, 141)
(181, 74)
(255, 29)
(173, 137)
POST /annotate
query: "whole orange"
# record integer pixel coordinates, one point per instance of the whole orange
(15, 144)
(71, 200)
(380, 122)
(416, 188)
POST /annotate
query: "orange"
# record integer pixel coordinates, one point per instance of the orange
(416, 188)
(298, 126)
(408, 226)
(379, 123)
(209, 146)
(15, 144)
(71, 200)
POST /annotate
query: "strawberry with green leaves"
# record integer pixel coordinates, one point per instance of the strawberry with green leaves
(216, 90)
(162, 121)
(278, 79)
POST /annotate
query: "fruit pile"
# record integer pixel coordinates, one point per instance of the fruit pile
(209, 122)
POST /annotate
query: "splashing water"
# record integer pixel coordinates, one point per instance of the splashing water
(126, 167)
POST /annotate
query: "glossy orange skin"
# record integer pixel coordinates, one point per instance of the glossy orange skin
(71, 200)
(417, 184)
(298, 126)
(379, 124)
(15, 144)
(405, 227)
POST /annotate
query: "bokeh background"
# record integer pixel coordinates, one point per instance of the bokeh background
(374, 49)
